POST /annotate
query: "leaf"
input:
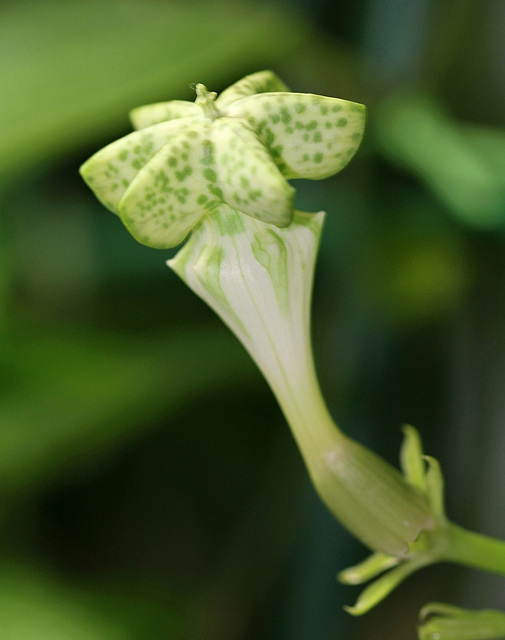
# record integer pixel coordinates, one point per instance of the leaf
(75, 396)
(35, 605)
(71, 71)
(462, 165)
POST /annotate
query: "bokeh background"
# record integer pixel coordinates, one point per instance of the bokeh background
(149, 486)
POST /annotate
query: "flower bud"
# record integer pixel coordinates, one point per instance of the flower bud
(445, 622)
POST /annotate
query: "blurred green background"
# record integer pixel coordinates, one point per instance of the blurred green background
(149, 486)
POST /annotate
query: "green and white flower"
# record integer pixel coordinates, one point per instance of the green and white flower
(239, 149)
(219, 168)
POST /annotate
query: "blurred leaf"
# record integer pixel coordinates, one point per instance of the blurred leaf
(419, 276)
(489, 143)
(463, 166)
(69, 398)
(34, 606)
(30, 608)
(71, 71)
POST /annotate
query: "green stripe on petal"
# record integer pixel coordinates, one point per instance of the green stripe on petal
(259, 82)
(173, 191)
(248, 177)
(309, 136)
(150, 114)
(110, 171)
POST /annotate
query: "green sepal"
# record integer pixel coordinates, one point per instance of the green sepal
(382, 587)
(445, 622)
(435, 490)
(372, 566)
(421, 473)
(411, 458)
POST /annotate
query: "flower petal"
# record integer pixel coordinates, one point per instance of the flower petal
(173, 191)
(309, 136)
(160, 111)
(109, 171)
(254, 83)
(247, 175)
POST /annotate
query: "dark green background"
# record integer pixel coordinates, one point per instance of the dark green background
(149, 486)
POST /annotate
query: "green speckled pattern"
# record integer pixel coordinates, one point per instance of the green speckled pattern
(249, 178)
(308, 136)
(174, 190)
(160, 111)
(259, 82)
(238, 150)
(111, 170)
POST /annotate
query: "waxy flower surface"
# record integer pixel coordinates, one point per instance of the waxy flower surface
(239, 149)
(219, 168)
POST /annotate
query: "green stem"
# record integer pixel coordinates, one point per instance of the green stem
(475, 550)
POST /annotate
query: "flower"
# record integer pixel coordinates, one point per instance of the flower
(445, 622)
(239, 149)
(219, 168)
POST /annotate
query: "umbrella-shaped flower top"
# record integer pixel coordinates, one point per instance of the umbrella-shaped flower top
(239, 149)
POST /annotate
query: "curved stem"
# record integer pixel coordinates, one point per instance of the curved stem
(475, 550)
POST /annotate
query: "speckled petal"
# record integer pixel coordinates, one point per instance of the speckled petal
(174, 190)
(247, 175)
(255, 83)
(160, 111)
(109, 172)
(309, 136)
